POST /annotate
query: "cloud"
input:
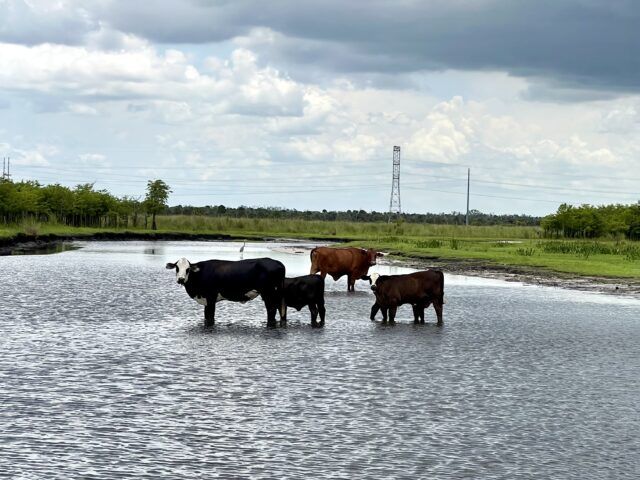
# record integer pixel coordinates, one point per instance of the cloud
(563, 47)
(37, 21)
(49, 74)
(575, 44)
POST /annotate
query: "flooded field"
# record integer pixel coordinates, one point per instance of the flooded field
(107, 372)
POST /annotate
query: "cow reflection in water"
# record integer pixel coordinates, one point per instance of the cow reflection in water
(211, 281)
(419, 289)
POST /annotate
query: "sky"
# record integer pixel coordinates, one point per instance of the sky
(299, 104)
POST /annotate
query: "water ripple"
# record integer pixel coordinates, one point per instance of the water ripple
(107, 372)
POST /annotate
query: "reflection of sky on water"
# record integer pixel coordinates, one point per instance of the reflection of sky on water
(106, 371)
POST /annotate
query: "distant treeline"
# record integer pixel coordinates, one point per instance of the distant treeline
(588, 221)
(454, 218)
(83, 206)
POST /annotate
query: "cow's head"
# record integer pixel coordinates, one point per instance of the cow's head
(375, 281)
(372, 255)
(183, 269)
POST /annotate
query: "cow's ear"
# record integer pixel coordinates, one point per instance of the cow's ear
(170, 266)
(366, 277)
(194, 268)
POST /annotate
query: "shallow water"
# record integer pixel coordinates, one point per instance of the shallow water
(107, 372)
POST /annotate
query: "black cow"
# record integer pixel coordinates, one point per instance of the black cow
(306, 290)
(210, 281)
(419, 289)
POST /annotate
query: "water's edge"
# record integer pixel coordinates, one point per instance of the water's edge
(628, 287)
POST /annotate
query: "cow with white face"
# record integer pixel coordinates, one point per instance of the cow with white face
(211, 281)
(183, 269)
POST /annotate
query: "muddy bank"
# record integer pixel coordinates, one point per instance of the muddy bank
(529, 275)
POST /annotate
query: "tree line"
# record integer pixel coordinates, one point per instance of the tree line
(82, 206)
(453, 218)
(588, 221)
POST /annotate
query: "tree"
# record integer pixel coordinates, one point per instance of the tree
(156, 200)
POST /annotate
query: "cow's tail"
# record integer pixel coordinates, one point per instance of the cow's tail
(312, 257)
(441, 276)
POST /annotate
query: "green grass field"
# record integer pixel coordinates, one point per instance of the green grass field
(494, 245)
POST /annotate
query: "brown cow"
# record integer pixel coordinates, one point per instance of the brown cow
(353, 262)
(420, 289)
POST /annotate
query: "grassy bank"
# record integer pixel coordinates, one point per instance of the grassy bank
(603, 258)
(492, 245)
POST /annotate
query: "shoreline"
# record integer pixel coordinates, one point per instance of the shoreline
(25, 244)
(617, 286)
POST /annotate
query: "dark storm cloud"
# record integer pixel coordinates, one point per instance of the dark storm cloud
(580, 44)
(577, 44)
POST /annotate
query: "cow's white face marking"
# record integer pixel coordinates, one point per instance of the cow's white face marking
(374, 279)
(183, 268)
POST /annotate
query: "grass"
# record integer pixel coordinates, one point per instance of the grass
(492, 245)
(607, 258)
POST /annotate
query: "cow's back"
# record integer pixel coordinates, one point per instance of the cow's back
(338, 260)
(241, 275)
(410, 288)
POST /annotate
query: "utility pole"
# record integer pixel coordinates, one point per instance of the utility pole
(468, 184)
(394, 203)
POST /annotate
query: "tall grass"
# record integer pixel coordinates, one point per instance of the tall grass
(340, 229)
(587, 248)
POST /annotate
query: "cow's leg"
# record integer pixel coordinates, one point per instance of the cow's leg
(283, 313)
(374, 311)
(424, 307)
(437, 306)
(322, 312)
(392, 314)
(314, 314)
(416, 313)
(384, 311)
(351, 281)
(210, 312)
(272, 309)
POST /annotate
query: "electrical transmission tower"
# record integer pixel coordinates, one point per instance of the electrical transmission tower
(394, 203)
(6, 168)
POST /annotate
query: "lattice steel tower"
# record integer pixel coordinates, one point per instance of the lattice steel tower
(394, 203)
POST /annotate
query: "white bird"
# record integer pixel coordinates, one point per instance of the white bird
(242, 247)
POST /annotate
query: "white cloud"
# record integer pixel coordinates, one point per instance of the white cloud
(238, 86)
